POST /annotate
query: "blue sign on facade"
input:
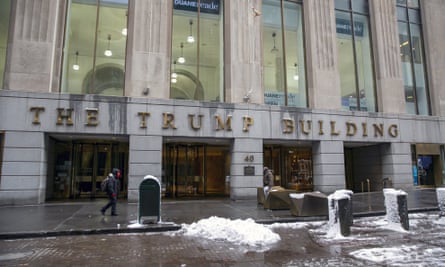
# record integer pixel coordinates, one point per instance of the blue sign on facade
(205, 6)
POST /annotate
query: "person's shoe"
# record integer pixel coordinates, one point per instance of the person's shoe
(103, 212)
(113, 214)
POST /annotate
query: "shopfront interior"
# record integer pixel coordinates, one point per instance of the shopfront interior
(291, 166)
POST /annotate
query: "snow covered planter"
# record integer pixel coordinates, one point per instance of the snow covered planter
(396, 207)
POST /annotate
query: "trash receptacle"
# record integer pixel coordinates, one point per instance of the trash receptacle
(149, 208)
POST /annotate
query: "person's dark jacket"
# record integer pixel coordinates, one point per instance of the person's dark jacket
(113, 186)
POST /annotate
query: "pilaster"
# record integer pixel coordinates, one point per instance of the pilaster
(148, 49)
(322, 65)
(389, 81)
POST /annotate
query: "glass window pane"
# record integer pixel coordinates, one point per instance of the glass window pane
(401, 2)
(360, 6)
(273, 54)
(295, 66)
(419, 73)
(414, 16)
(211, 71)
(346, 61)
(197, 64)
(85, 47)
(110, 49)
(343, 4)
(413, 3)
(401, 14)
(364, 63)
(405, 55)
(5, 7)
(79, 47)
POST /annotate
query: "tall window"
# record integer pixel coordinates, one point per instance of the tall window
(2, 138)
(355, 55)
(412, 57)
(95, 42)
(5, 9)
(197, 50)
(283, 53)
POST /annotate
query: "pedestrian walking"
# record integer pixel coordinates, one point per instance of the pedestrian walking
(267, 180)
(112, 189)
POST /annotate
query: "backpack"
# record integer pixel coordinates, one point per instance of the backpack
(104, 184)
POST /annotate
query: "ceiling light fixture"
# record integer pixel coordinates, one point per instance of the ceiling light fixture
(181, 59)
(76, 65)
(190, 38)
(296, 77)
(274, 49)
(124, 29)
(174, 75)
(108, 52)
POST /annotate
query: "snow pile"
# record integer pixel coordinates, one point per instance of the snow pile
(244, 232)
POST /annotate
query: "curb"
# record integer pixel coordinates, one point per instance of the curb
(147, 229)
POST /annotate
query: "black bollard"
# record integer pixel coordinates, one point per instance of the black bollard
(344, 216)
(402, 205)
(396, 207)
(340, 214)
(349, 215)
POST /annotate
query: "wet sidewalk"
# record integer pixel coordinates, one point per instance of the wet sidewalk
(71, 218)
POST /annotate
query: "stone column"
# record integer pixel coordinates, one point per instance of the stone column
(396, 165)
(34, 52)
(149, 49)
(242, 185)
(243, 52)
(434, 38)
(386, 49)
(145, 159)
(329, 166)
(23, 183)
(323, 80)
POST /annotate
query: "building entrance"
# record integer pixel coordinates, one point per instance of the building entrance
(196, 170)
(78, 168)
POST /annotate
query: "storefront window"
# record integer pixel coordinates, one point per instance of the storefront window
(411, 56)
(283, 52)
(95, 43)
(5, 7)
(197, 50)
(355, 55)
(291, 166)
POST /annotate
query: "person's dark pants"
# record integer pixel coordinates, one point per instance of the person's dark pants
(111, 203)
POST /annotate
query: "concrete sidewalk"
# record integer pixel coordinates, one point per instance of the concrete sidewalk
(70, 218)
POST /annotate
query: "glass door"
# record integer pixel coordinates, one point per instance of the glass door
(196, 170)
(92, 163)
